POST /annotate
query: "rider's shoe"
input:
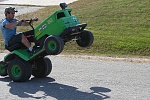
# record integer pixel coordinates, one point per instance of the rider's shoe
(31, 52)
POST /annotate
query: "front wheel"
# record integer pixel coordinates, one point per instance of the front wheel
(85, 39)
(53, 45)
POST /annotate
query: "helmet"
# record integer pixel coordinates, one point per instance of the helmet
(10, 9)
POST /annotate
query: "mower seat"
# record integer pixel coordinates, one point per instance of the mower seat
(13, 47)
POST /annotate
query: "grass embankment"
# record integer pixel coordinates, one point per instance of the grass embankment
(120, 27)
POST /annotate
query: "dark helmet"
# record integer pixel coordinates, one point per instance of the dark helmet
(10, 9)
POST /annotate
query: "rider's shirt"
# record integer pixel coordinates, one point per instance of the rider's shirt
(8, 32)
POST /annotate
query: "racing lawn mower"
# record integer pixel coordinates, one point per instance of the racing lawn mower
(49, 38)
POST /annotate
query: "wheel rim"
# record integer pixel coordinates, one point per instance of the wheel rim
(2, 70)
(52, 45)
(16, 71)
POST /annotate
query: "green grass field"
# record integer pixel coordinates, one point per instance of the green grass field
(120, 27)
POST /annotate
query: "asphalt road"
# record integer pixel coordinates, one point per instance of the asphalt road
(36, 2)
(21, 9)
(77, 78)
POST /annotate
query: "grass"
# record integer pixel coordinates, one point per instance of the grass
(120, 27)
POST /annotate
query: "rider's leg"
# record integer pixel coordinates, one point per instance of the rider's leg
(29, 35)
(26, 42)
(20, 38)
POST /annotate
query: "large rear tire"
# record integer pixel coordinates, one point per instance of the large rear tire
(3, 70)
(43, 67)
(19, 70)
(53, 45)
(85, 39)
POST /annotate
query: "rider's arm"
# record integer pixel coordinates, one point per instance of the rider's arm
(12, 25)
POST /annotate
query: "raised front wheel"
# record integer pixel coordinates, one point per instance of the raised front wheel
(53, 45)
(85, 39)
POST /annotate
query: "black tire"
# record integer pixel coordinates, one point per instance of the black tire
(19, 70)
(3, 70)
(53, 45)
(85, 39)
(43, 67)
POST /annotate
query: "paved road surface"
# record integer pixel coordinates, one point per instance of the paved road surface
(28, 9)
(76, 78)
(36, 2)
(21, 10)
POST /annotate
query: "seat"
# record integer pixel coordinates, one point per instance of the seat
(13, 47)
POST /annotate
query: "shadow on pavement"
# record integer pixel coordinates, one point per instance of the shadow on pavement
(48, 87)
(5, 79)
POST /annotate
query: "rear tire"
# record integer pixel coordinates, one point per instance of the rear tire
(3, 70)
(53, 45)
(43, 67)
(19, 70)
(85, 39)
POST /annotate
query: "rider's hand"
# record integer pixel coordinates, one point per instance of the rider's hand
(35, 19)
(23, 20)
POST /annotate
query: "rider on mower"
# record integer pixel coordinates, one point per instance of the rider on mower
(8, 27)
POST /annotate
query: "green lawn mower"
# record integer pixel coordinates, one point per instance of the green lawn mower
(49, 39)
